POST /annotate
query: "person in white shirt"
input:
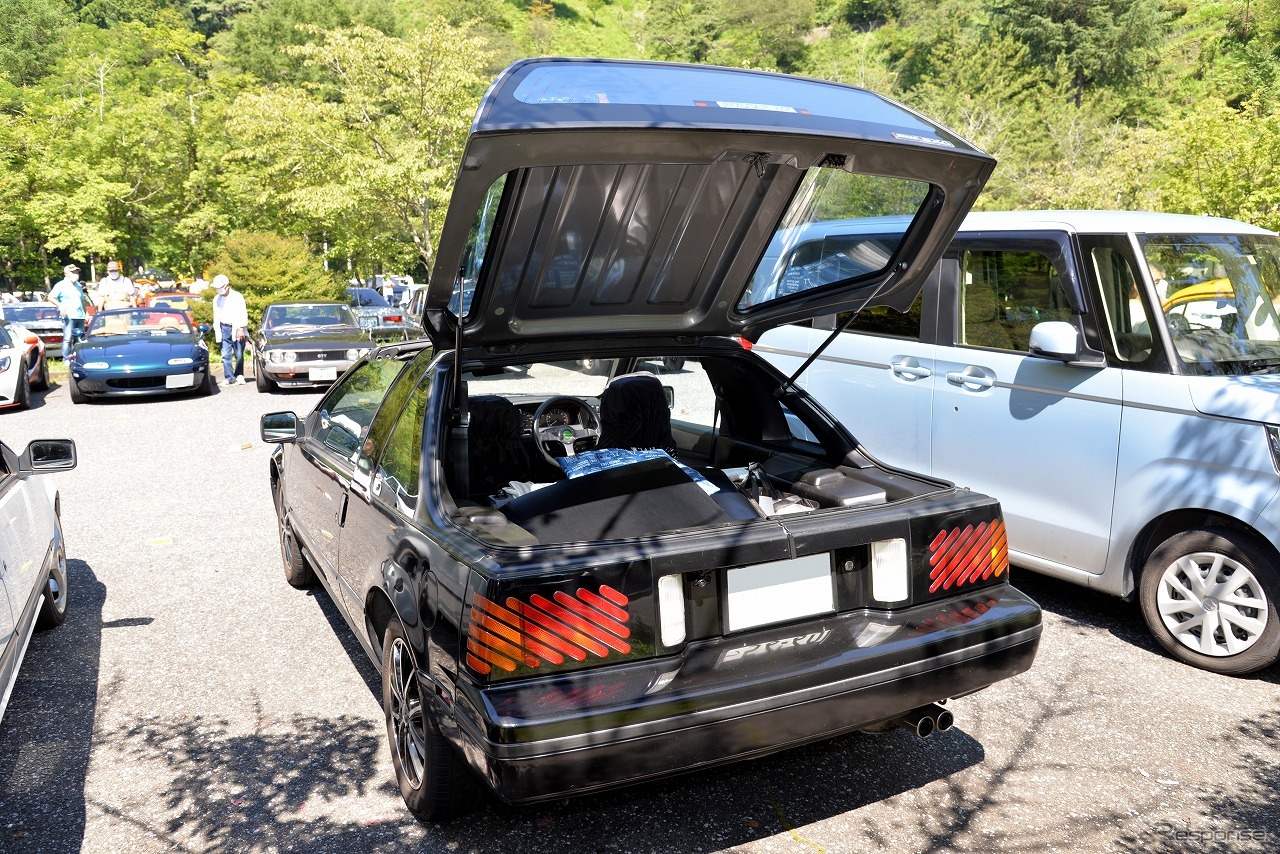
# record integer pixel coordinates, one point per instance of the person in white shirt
(230, 329)
(115, 291)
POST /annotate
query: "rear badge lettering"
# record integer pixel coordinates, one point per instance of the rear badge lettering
(748, 651)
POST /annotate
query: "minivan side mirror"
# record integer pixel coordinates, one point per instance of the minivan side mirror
(46, 455)
(279, 428)
(1057, 339)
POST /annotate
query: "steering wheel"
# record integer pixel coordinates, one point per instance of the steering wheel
(585, 426)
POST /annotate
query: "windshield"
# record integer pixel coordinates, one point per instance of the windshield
(324, 314)
(366, 296)
(28, 313)
(138, 321)
(1220, 296)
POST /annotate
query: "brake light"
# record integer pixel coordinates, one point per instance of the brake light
(965, 555)
(393, 318)
(546, 631)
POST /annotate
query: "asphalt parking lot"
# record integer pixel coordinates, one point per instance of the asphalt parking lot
(194, 702)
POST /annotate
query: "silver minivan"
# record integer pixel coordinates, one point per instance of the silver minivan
(1112, 377)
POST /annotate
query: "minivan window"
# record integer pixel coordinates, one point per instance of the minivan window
(1004, 294)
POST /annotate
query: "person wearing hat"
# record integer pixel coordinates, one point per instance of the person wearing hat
(68, 296)
(116, 291)
(230, 328)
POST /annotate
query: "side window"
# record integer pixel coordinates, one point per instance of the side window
(882, 320)
(1126, 314)
(347, 411)
(1004, 294)
(395, 483)
(393, 402)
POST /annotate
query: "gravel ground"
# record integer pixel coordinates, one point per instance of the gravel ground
(194, 702)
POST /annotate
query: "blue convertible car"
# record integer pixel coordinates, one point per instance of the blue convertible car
(139, 351)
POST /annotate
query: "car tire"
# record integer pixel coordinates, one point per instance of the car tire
(596, 367)
(42, 378)
(77, 396)
(54, 610)
(261, 380)
(673, 363)
(434, 780)
(207, 385)
(22, 394)
(1221, 580)
(297, 571)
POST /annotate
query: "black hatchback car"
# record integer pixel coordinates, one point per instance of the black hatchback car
(574, 582)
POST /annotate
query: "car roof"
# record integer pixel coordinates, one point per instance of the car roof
(1106, 222)
(639, 197)
(308, 302)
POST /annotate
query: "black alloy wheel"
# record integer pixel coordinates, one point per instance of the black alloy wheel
(42, 376)
(434, 780)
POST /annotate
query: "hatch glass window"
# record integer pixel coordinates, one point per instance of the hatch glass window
(840, 226)
(477, 246)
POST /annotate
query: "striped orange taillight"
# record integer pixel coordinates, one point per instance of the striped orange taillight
(962, 556)
(545, 630)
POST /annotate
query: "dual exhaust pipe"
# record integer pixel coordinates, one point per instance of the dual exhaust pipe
(927, 720)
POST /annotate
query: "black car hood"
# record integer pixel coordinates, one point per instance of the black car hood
(633, 207)
(346, 335)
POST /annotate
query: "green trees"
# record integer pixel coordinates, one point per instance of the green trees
(151, 131)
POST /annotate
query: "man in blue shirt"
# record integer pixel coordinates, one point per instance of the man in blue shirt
(68, 295)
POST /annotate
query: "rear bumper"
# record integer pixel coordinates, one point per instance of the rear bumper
(740, 697)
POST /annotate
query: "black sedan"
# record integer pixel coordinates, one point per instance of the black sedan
(306, 344)
(574, 582)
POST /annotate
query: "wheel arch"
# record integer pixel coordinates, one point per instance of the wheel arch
(1166, 525)
(378, 613)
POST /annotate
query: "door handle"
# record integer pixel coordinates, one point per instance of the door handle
(972, 377)
(908, 368)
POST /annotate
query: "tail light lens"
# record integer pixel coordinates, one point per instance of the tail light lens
(968, 556)
(518, 635)
(393, 318)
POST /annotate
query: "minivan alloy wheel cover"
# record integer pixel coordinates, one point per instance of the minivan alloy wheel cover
(408, 727)
(1212, 604)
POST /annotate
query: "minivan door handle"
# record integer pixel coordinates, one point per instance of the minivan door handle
(909, 369)
(972, 377)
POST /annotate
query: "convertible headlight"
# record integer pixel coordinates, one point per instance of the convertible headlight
(290, 356)
(182, 360)
(275, 357)
(95, 366)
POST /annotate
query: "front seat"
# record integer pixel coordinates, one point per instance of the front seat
(497, 455)
(634, 415)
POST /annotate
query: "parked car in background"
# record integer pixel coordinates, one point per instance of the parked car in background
(33, 578)
(1113, 377)
(23, 367)
(568, 589)
(135, 352)
(380, 318)
(43, 319)
(306, 343)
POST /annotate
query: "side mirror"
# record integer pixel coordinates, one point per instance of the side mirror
(203, 328)
(279, 428)
(1057, 339)
(45, 455)
(670, 394)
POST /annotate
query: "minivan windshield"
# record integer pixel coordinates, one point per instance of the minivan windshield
(1220, 297)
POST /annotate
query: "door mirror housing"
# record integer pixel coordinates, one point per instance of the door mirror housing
(1058, 339)
(47, 455)
(279, 428)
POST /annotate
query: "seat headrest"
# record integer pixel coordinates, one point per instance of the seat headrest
(634, 414)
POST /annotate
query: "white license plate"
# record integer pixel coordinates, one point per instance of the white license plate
(780, 591)
(318, 374)
(180, 381)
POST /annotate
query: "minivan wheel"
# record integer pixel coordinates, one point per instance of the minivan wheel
(434, 781)
(1210, 597)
